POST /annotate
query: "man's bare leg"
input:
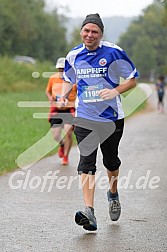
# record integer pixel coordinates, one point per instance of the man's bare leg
(87, 218)
(113, 180)
(88, 188)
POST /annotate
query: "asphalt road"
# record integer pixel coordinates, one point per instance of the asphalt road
(39, 217)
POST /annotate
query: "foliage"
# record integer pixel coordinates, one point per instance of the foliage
(76, 38)
(26, 29)
(16, 76)
(164, 4)
(146, 42)
(148, 55)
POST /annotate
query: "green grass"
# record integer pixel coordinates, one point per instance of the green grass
(16, 76)
(19, 130)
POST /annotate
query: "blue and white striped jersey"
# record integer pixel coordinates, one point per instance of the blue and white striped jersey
(93, 71)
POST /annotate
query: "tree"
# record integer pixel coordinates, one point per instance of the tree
(149, 29)
(144, 56)
(129, 38)
(76, 38)
(25, 28)
(164, 4)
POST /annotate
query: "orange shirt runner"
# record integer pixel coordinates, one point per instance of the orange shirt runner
(54, 87)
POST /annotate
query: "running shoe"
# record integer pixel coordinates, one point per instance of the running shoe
(86, 219)
(114, 207)
(65, 160)
(61, 151)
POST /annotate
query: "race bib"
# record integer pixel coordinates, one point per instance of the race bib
(91, 93)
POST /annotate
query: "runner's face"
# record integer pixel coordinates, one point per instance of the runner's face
(60, 70)
(91, 35)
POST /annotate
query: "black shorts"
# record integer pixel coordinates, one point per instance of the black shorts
(89, 135)
(62, 117)
(160, 96)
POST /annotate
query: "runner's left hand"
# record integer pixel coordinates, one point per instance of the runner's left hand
(108, 94)
(62, 102)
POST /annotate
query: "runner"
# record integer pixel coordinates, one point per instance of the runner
(60, 118)
(160, 87)
(96, 66)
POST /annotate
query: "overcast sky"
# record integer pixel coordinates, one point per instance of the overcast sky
(106, 8)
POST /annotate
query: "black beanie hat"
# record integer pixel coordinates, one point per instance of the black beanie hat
(95, 19)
